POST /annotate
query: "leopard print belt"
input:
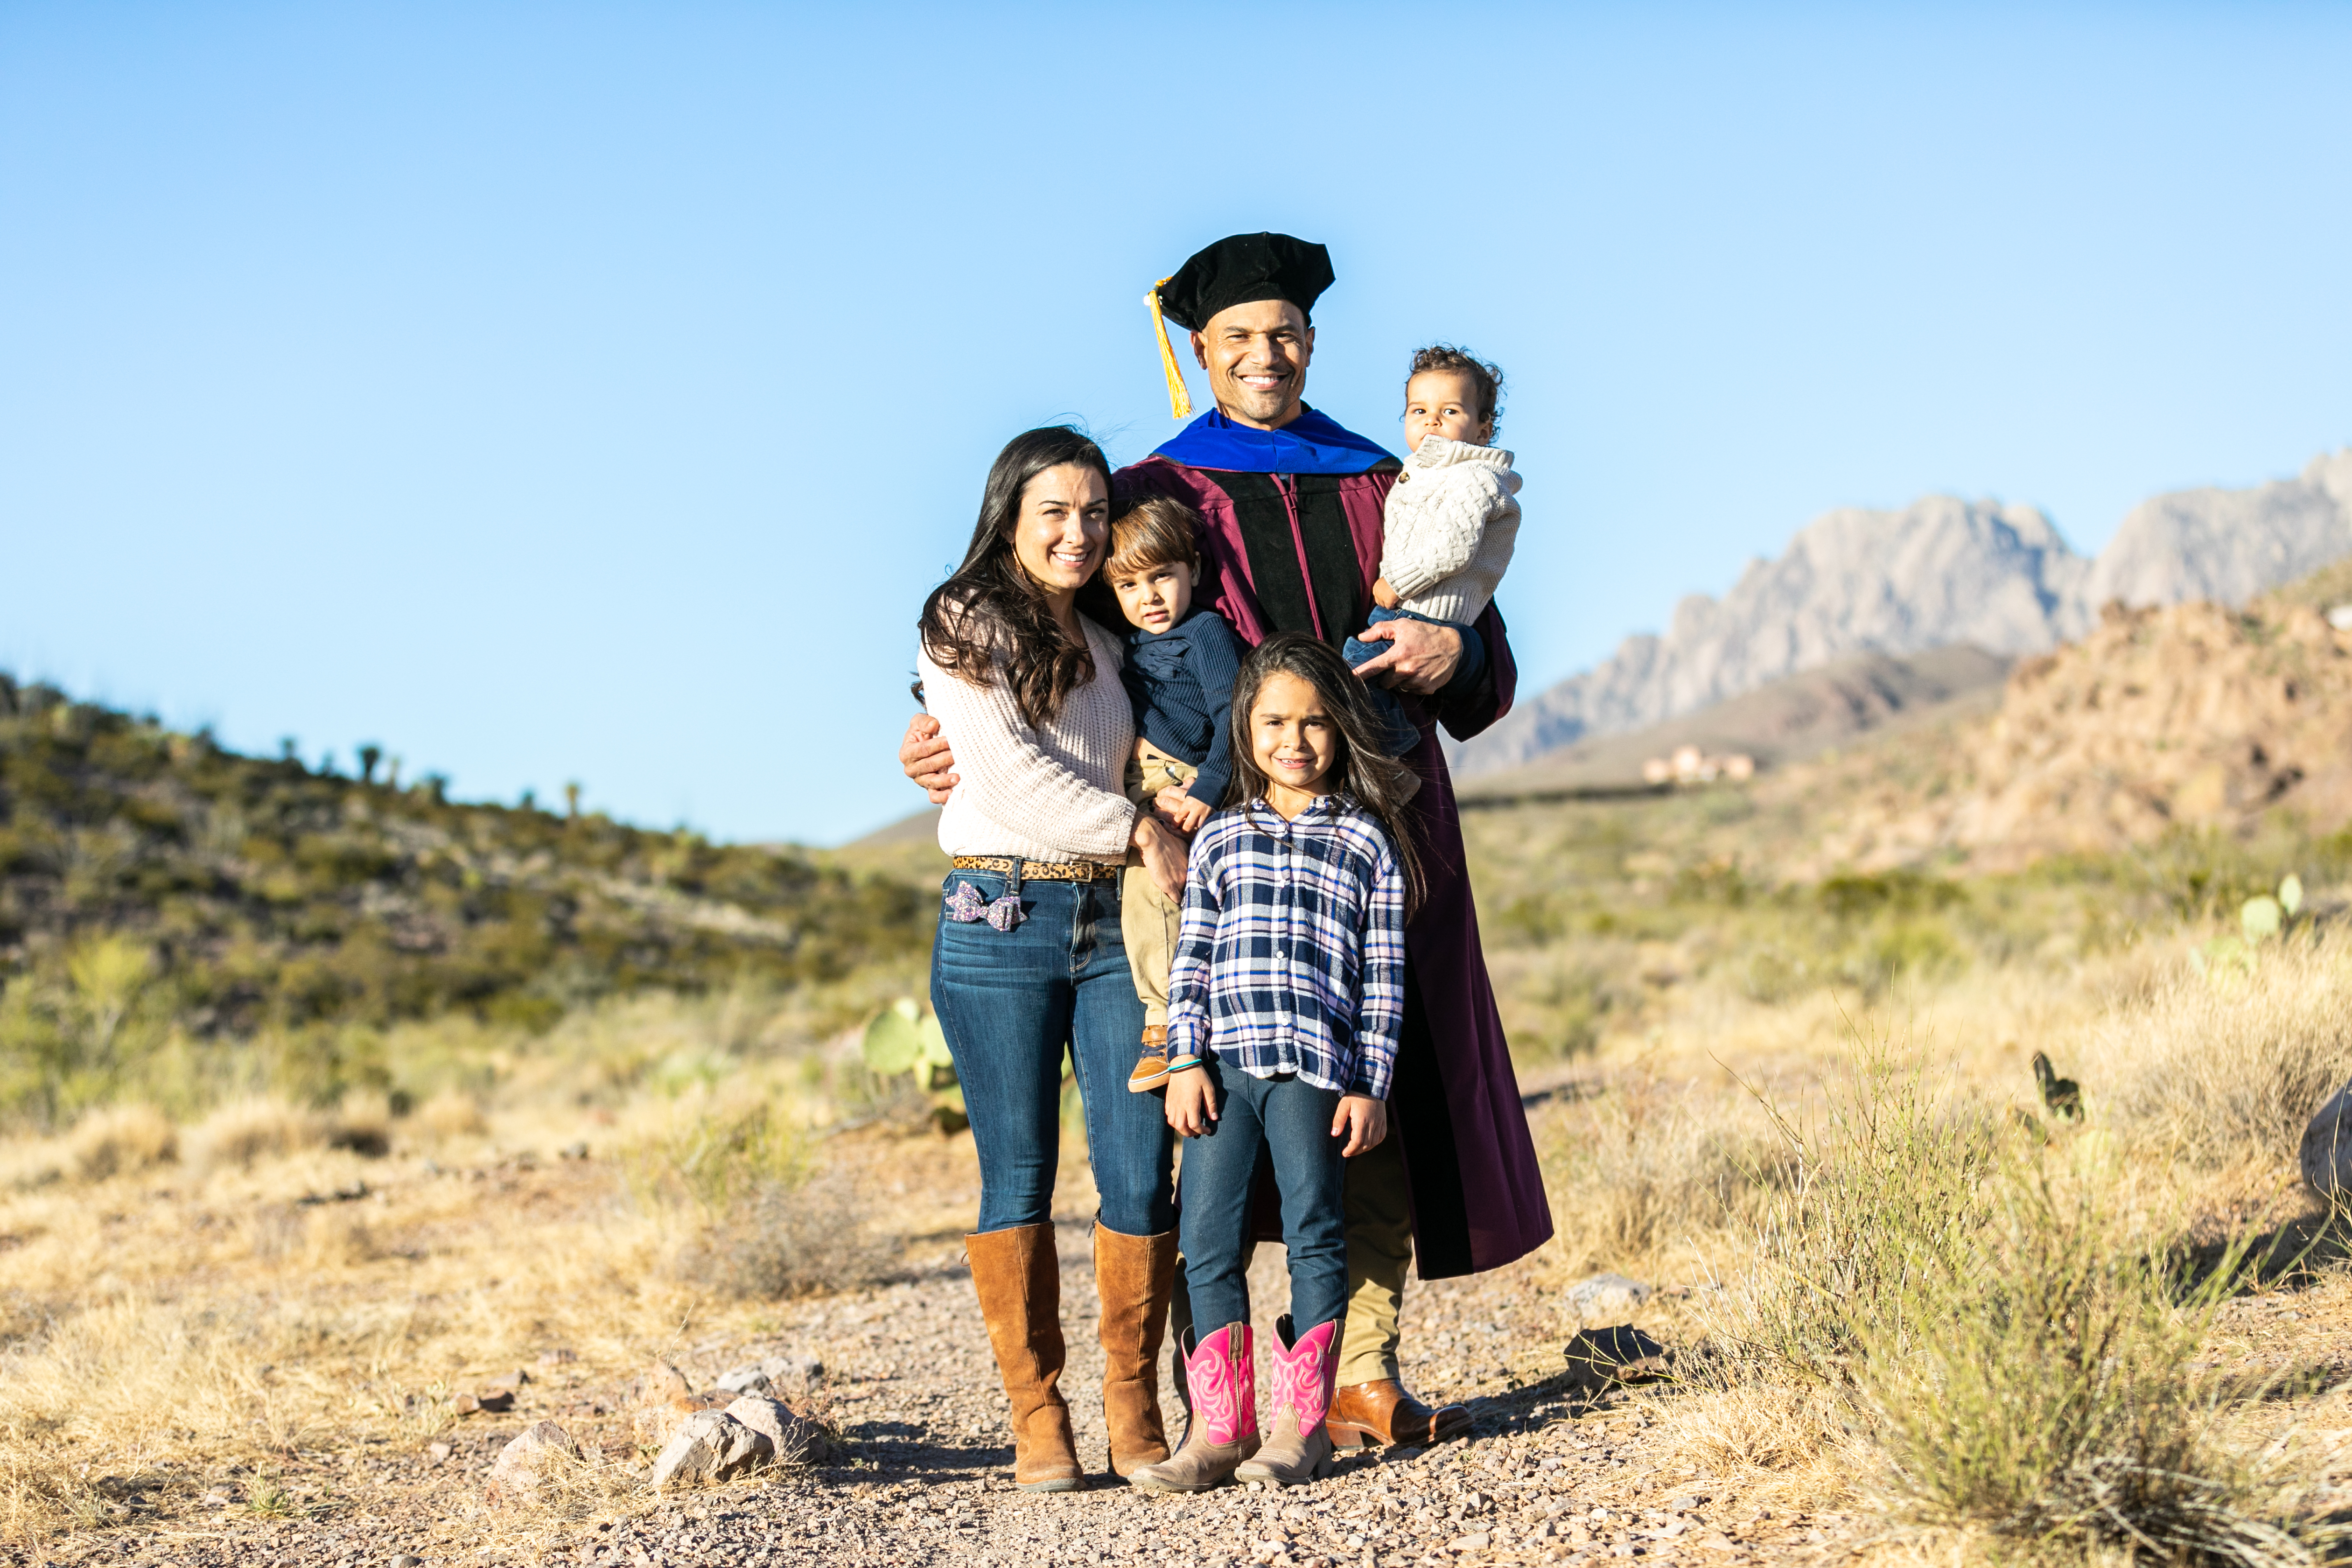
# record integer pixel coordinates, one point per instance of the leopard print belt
(1040, 870)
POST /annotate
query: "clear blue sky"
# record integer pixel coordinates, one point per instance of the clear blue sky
(593, 391)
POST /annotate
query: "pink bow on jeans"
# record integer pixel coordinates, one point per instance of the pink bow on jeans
(965, 904)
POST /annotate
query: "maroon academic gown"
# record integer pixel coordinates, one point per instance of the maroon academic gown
(1477, 1193)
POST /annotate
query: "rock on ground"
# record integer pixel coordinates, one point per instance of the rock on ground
(2326, 1152)
(794, 1437)
(795, 1372)
(1606, 1298)
(742, 1380)
(522, 1466)
(712, 1445)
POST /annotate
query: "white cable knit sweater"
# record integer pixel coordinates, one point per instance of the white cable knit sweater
(1447, 533)
(1054, 794)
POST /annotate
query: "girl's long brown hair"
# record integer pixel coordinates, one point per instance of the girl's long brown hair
(1362, 769)
(991, 613)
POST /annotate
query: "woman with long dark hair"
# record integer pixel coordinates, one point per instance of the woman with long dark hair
(1029, 954)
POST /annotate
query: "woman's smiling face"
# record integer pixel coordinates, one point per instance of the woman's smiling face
(1063, 522)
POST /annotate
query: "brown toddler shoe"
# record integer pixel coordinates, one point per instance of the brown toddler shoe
(1151, 1066)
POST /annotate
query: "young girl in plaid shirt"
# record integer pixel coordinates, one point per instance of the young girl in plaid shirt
(1285, 1000)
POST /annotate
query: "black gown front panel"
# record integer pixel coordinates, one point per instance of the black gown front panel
(1262, 512)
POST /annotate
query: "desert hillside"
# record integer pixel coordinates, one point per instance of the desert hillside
(1783, 722)
(180, 924)
(2188, 719)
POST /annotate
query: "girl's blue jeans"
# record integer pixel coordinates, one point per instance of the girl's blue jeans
(1291, 1120)
(1009, 1003)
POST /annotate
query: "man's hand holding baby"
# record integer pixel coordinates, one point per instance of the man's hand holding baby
(1420, 657)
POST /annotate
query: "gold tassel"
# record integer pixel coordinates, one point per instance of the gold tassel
(1179, 400)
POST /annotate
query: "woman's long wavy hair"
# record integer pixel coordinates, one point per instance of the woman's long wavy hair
(1362, 769)
(992, 613)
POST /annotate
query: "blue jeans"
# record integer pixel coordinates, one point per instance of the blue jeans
(1009, 1002)
(1291, 1120)
(1403, 733)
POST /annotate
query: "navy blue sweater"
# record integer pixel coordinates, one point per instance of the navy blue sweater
(1181, 683)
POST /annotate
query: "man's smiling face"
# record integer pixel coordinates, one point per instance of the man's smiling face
(1257, 357)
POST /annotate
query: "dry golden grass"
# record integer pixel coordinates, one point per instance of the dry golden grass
(1666, 1164)
(2227, 1066)
(177, 1315)
(184, 1310)
(122, 1140)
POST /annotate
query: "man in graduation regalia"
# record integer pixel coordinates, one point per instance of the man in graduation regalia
(1290, 503)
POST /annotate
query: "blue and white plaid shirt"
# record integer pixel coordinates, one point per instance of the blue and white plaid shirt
(1292, 953)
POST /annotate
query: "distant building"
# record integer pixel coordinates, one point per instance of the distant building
(1689, 765)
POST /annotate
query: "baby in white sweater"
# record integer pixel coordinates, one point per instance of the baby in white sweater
(1454, 515)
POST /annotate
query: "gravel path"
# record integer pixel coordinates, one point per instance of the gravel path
(1556, 1469)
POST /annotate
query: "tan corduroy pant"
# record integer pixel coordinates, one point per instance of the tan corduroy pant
(1379, 1250)
(1147, 919)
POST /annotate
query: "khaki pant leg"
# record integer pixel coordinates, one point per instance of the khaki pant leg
(1379, 1250)
(1149, 923)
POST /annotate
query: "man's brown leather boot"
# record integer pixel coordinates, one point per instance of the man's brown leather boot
(1020, 1289)
(1132, 1276)
(1383, 1412)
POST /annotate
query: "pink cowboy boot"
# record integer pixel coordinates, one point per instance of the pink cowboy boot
(1223, 1430)
(1298, 1448)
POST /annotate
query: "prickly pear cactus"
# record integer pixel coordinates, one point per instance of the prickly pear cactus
(903, 1038)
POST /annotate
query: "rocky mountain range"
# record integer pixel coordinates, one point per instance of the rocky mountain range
(1940, 571)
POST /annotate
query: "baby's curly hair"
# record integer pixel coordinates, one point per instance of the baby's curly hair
(1486, 376)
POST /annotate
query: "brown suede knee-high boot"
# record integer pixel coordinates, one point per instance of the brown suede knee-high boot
(1020, 1288)
(1132, 1276)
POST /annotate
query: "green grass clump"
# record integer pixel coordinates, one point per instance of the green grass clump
(2016, 1339)
(2057, 1404)
(1876, 1186)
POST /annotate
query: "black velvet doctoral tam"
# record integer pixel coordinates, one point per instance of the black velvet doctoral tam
(1244, 268)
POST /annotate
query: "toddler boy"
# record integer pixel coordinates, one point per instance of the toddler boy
(1181, 660)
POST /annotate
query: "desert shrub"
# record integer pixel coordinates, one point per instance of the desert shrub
(758, 1216)
(712, 1160)
(1874, 1184)
(1644, 1166)
(792, 1237)
(121, 1141)
(452, 1113)
(2223, 1065)
(1557, 1001)
(2059, 1402)
(363, 1123)
(2196, 873)
(243, 1131)
(2016, 1341)
(1853, 896)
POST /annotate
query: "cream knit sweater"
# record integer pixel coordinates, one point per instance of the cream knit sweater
(1053, 793)
(1447, 533)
